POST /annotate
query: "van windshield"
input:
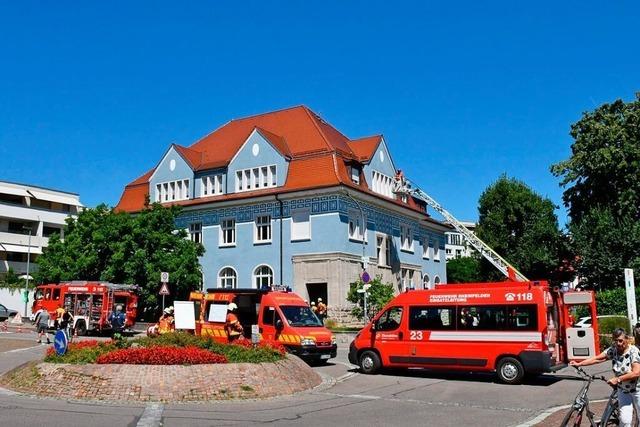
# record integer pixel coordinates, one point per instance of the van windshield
(300, 316)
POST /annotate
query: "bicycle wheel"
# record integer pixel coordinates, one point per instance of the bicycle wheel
(573, 418)
(611, 416)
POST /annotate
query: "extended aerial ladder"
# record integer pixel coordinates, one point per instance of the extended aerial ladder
(404, 186)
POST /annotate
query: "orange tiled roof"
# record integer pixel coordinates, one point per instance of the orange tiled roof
(318, 155)
(364, 148)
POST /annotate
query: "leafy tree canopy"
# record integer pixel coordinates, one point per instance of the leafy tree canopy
(521, 226)
(379, 294)
(102, 244)
(463, 270)
(602, 192)
(604, 166)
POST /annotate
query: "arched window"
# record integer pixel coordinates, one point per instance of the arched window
(262, 277)
(436, 280)
(426, 282)
(227, 278)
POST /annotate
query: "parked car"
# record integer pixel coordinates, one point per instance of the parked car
(585, 322)
(6, 313)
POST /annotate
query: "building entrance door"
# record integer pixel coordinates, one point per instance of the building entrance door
(317, 290)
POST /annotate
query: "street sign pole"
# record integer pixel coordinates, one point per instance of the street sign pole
(164, 290)
(631, 296)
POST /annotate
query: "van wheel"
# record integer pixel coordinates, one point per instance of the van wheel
(369, 362)
(510, 370)
(81, 328)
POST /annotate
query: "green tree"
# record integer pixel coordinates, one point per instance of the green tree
(102, 244)
(602, 191)
(521, 226)
(463, 270)
(379, 294)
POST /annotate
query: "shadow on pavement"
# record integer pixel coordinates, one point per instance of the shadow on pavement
(484, 377)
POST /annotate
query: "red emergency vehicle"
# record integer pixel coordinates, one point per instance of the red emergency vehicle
(513, 328)
(90, 303)
(280, 316)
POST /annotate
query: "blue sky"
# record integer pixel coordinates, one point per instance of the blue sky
(93, 93)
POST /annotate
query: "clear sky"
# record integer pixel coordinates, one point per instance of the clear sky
(93, 93)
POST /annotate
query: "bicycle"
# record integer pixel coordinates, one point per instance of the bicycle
(580, 406)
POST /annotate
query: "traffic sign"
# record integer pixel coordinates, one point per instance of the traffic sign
(60, 342)
(365, 277)
(164, 290)
(25, 296)
(164, 277)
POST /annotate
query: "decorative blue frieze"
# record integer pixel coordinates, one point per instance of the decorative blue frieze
(381, 220)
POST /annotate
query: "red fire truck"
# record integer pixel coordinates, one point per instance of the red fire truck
(513, 328)
(90, 303)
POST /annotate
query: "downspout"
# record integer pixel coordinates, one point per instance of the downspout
(281, 214)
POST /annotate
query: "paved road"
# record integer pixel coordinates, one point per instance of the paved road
(347, 398)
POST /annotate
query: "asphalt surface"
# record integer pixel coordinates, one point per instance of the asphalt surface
(414, 397)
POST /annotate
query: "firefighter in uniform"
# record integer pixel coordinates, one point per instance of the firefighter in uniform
(232, 326)
(166, 323)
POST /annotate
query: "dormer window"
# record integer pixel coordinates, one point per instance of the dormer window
(256, 178)
(355, 174)
(382, 184)
(172, 191)
(211, 185)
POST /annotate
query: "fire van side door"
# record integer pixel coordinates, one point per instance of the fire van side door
(428, 342)
(389, 335)
(268, 319)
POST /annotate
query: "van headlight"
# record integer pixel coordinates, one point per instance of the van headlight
(307, 341)
(333, 340)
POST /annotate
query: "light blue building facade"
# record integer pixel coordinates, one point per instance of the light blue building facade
(271, 216)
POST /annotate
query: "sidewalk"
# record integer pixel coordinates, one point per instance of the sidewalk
(18, 349)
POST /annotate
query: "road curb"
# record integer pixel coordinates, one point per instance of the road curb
(547, 413)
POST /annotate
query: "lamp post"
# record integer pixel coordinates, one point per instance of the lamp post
(26, 289)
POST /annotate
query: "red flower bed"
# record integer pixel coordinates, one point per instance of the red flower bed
(161, 356)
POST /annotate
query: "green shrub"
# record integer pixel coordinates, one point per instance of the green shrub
(607, 325)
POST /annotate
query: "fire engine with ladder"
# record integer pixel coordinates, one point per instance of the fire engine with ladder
(90, 303)
(570, 343)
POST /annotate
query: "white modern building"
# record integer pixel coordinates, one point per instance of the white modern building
(29, 215)
(456, 246)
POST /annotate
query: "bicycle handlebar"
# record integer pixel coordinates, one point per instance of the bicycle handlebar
(585, 375)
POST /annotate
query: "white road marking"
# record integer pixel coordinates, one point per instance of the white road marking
(24, 349)
(152, 416)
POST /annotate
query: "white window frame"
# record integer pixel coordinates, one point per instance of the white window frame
(259, 224)
(426, 251)
(258, 276)
(211, 185)
(406, 238)
(171, 191)
(436, 280)
(426, 281)
(355, 230)
(195, 232)
(225, 225)
(383, 250)
(306, 236)
(222, 280)
(436, 251)
(256, 178)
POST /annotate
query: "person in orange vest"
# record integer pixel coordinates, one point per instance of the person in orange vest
(322, 310)
(166, 323)
(232, 326)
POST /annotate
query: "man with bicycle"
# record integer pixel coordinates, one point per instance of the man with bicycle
(625, 360)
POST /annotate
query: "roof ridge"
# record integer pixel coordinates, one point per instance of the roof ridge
(315, 124)
(269, 112)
